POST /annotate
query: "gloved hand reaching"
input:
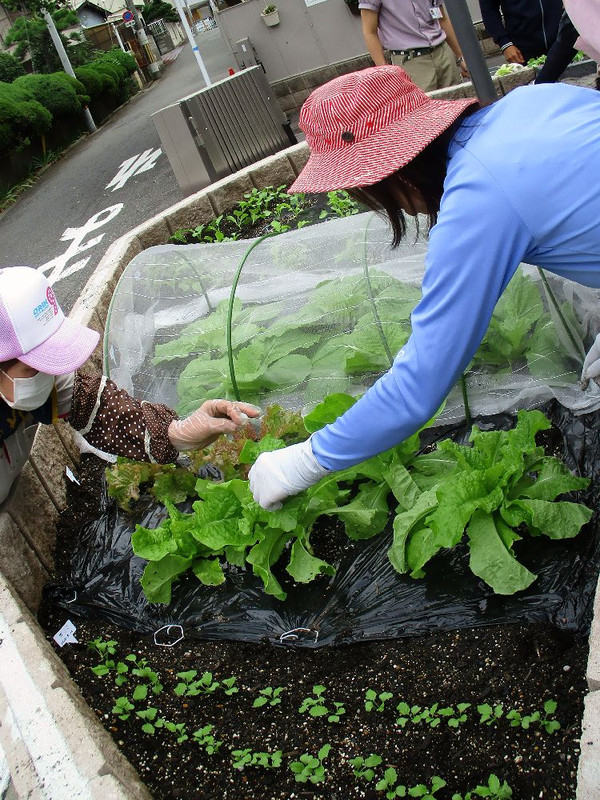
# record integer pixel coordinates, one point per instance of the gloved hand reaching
(204, 426)
(282, 473)
(591, 364)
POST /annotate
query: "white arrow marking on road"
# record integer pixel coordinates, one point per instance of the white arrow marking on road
(133, 166)
(58, 266)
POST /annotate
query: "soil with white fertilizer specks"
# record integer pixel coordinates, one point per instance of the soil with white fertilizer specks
(519, 667)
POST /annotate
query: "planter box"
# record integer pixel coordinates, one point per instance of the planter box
(36, 692)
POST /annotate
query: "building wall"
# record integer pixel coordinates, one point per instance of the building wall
(311, 34)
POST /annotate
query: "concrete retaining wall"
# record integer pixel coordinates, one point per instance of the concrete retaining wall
(47, 732)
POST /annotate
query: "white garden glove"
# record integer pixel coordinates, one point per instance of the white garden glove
(591, 364)
(204, 426)
(282, 473)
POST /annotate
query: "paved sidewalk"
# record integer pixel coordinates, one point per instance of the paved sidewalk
(169, 57)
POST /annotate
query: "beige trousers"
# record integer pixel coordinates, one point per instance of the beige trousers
(435, 70)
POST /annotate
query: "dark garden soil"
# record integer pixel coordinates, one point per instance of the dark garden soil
(519, 666)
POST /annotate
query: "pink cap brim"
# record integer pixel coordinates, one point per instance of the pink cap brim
(65, 351)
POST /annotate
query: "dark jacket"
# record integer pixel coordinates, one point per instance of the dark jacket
(531, 25)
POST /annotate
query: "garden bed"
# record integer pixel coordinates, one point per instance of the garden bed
(512, 693)
(518, 666)
(515, 668)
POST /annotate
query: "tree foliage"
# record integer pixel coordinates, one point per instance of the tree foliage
(31, 36)
(10, 68)
(34, 6)
(159, 9)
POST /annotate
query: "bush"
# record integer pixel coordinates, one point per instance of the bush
(93, 81)
(20, 118)
(118, 66)
(54, 91)
(159, 9)
(10, 68)
(126, 61)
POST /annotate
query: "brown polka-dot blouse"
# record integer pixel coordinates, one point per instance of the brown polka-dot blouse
(113, 421)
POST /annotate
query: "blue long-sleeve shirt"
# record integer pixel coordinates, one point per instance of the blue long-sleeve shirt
(523, 184)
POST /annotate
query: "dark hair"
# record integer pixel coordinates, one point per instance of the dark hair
(425, 172)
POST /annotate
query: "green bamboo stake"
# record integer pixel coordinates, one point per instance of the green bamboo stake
(384, 340)
(236, 280)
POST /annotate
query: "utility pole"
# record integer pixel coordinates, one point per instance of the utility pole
(64, 59)
(460, 17)
(192, 41)
(142, 38)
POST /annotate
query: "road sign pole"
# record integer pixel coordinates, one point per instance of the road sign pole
(192, 41)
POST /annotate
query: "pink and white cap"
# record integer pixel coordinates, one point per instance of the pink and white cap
(33, 328)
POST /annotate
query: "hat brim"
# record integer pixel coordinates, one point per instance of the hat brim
(65, 351)
(368, 161)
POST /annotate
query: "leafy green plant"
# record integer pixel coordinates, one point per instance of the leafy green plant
(311, 768)
(268, 696)
(492, 490)
(104, 649)
(188, 686)
(427, 792)
(270, 204)
(456, 716)
(493, 789)
(363, 767)
(334, 334)
(178, 728)
(141, 669)
(152, 723)
(316, 707)
(247, 758)
(545, 718)
(123, 708)
(429, 715)
(389, 784)
(489, 715)
(376, 701)
(340, 204)
(521, 332)
(204, 737)
(149, 718)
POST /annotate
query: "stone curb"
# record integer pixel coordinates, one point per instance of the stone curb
(79, 759)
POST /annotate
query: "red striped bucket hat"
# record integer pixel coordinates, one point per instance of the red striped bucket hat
(363, 126)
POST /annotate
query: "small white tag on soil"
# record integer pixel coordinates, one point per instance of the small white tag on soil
(71, 476)
(65, 634)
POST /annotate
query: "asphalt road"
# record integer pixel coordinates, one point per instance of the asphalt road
(107, 184)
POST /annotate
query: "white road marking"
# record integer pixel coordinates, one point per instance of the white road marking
(133, 166)
(58, 266)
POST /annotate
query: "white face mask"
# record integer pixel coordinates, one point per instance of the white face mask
(30, 393)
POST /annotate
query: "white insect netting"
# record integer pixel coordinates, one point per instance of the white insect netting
(291, 318)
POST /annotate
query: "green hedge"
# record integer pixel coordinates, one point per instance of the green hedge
(108, 74)
(30, 104)
(61, 94)
(20, 118)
